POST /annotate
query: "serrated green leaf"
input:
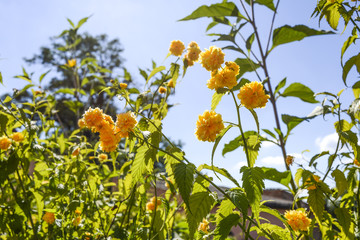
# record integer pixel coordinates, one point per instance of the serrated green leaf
(280, 85)
(344, 217)
(239, 199)
(342, 126)
(221, 171)
(266, 3)
(139, 164)
(216, 98)
(272, 174)
(316, 156)
(9, 166)
(276, 232)
(184, 178)
(170, 160)
(253, 184)
(174, 72)
(200, 204)
(249, 41)
(226, 208)
(3, 121)
(291, 121)
(348, 66)
(332, 15)
(347, 43)
(215, 10)
(300, 91)
(287, 34)
(316, 202)
(341, 183)
(155, 71)
(223, 228)
(246, 65)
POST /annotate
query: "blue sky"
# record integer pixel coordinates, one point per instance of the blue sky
(146, 28)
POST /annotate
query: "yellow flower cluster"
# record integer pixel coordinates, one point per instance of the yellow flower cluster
(77, 218)
(252, 95)
(204, 226)
(102, 157)
(110, 132)
(123, 85)
(5, 143)
(298, 220)
(162, 90)
(212, 58)
(176, 48)
(311, 182)
(49, 217)
(208, 126)
(17, 137)
(226, 77)
(193, 53)
(153, 204)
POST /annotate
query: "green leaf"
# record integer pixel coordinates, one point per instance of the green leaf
(316, 156)
(223, 228)
(253, 184)
(215, 10)
(280, 85)
(316, 202)
(3, 121)
(246, 65)
(217, 140)
(43, 75)
(249, 42)
(8, 166)
(300, 91)
(344, 217)
(81, 22)
(348, 66)
(272, 174)
(332, 15)
(340, 179)
(225, 209)
(291, 122)
(174, 72)
(184, 178)
(170, 161)
(200, 204)
(348, 42)
(221, 171)
(139, 164)
(267, 3)
(287, 34)
(239, 199)
(216, 98)
(1, 79)
(276, 232)
(155, 71)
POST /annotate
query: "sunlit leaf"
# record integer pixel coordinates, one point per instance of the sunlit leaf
(341, 183)
(287, 34)
(184, 178)
(272, 174)
(224, 227)
(300, 91)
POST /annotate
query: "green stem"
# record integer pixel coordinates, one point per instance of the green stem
(241, 130)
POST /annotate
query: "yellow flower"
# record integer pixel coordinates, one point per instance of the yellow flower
(49, 217)
(87, 236)
(193, 52)
(356, 162)
(176, 48)
(156, 200)
(75, 152)
(226, 77)
(162, 90)
(93, 118)
(77, 212)
(252, 95)
(103, 157)
(81, 123)
(37, 92)
(298, 220)
(109, 139)
(171, 84)
(289, 160)
(5, 143)
(71, 63)
(208, 126)
(150, 206)
(212, 58)
(17, 137)
(204, 226)
(123, 85)
(125, 123)
(76, 221)
(311, 182)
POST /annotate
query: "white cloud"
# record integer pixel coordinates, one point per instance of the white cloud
(267, 144)
(327, 143)
(271, 160)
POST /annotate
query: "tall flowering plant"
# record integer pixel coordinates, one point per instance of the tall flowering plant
(133, 182)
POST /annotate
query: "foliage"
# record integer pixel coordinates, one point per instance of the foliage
(59, 186)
